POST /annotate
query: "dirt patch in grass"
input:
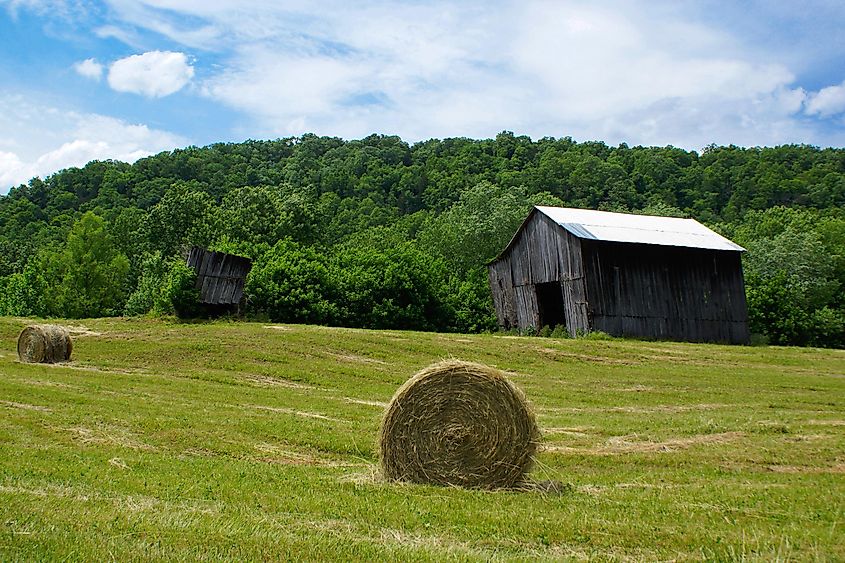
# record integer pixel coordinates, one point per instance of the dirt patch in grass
(270, 453)
(126, 503)
(512, 374)
(636, 409)
(595, 490)
(82, 331)
(371, 476)
(47, 491)
(395, 336)
(354, 358)
(446, 338)
(447, 547)
(379, 404)
(46, 383)
(294, 412)
(826, 422)
(119, 463)
(560, 354)
(259, 380)
(675, 359)
(577, 431)
(25, 406)
(634, 389)
(438, 544)
(659, 486)
(797, 438)
(198, 452)
(632, 444)
(279, 327)
(109, 435)
(98, 369)
(837, 469)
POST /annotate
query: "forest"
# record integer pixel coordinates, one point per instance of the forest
(380, 233)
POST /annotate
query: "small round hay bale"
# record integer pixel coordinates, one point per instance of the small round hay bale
(44, 344)
(461, 424)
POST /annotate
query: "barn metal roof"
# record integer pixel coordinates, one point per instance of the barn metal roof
(642, 229)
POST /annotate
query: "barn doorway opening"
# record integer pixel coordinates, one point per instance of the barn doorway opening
(550, 304)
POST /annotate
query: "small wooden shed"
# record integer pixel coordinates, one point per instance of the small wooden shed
(220, 276)
(623, 274)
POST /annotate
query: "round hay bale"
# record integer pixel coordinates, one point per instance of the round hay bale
(44, 344)
(461, 424)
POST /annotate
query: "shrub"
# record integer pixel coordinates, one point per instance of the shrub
(22, 294)
(291, 283)
(560, 331)
(398, 287)
(470, 303)
(180, 294)
(827, 328)
(151, 286)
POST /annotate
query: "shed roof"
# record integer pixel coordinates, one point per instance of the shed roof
(642, 229)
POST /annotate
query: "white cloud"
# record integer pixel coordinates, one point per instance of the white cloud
(58, 139)
(827, 101)
(639, 72)
(154, 74)
(89, 68)
(615, 72)
(613, 61)
(11, 170)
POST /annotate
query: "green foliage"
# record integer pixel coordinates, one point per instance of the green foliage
(560, 331)
(827, 328)
(397, 287)
(253, 215)
(794, 275)
(471, 303)
(87, 277)
(22, 294)
(291, 283)
(151, 289)
(477, 227)
(239, 248)
(184, 217)
(774, 310)
(596, 335)
(458, 200)
(661, 209)
(180, 294)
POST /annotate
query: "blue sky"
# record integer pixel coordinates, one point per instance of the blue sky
(82, 80)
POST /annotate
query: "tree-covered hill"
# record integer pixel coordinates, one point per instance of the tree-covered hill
(379, 233)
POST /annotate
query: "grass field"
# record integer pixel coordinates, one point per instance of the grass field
(238, 441)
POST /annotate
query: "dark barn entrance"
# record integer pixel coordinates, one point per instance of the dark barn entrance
(550, 304)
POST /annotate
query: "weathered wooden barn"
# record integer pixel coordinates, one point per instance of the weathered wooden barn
(220, 277)
(626, 275)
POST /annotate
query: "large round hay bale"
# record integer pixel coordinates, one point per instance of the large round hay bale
(44, 344)
(458, 423)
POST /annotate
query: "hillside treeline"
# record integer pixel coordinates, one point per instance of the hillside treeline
(382, 234)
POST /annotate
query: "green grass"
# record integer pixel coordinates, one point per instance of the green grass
(237, 441)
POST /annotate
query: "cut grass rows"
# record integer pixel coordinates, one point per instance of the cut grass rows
(251, 441)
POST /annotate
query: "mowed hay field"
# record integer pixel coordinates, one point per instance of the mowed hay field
(249, 441)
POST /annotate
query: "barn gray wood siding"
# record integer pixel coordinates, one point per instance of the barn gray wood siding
(624, 289)
(542, 252)
(666, 292)
(220, 276)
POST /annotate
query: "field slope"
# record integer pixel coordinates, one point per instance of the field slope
(241, 441)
